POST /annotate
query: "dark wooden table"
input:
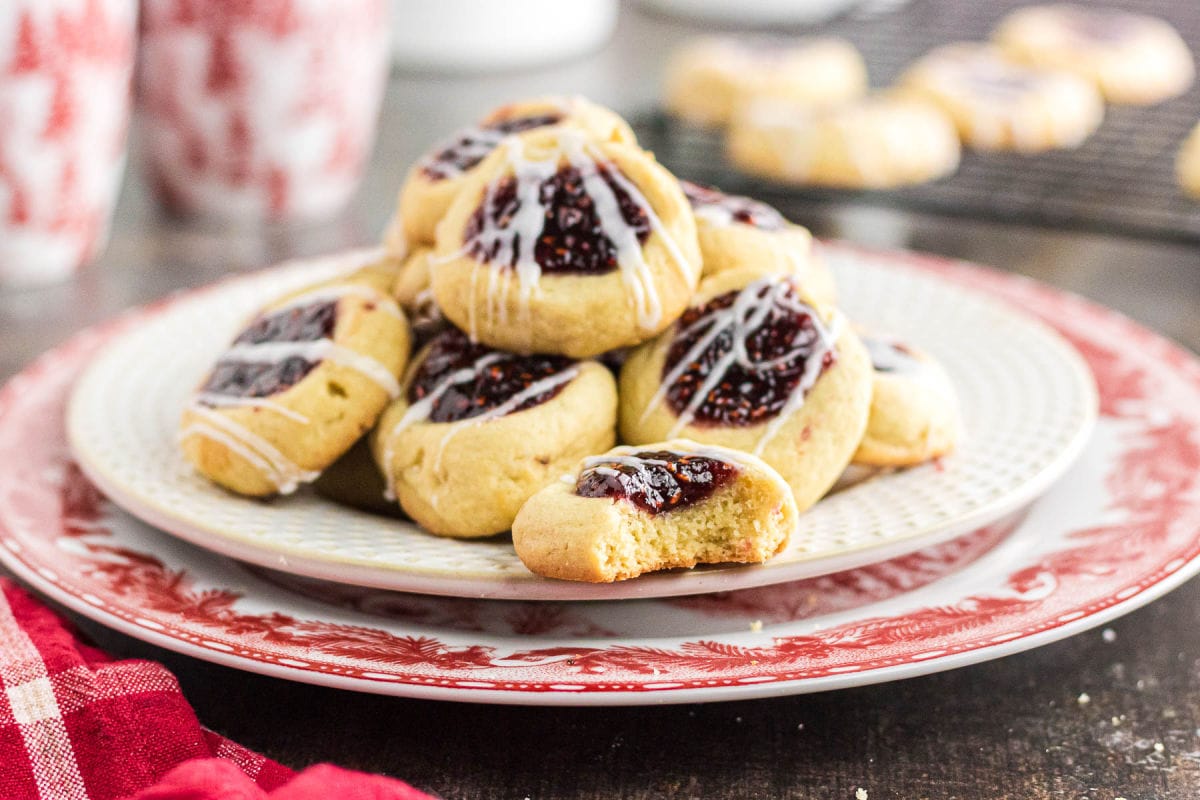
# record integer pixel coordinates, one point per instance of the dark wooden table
(1012, 728)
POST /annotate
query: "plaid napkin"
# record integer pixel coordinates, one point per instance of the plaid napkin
(76, 725)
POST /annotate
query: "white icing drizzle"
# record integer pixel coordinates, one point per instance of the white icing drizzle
(277, 468)
(514, 243)
(315, 351)
(600, 463)
(333, 294)
(741, 319)
(681, 448)
(635, 272)
(746, 305)
(686, 269)
(213, 399)
(812, 371)
(420, 410)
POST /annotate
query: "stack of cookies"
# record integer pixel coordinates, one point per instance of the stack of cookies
(547, 290)
(1040, 84)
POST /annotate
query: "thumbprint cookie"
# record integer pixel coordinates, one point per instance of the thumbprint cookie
(708, 79)
(753, 364)
(914, 409)
(436, 178)
(306, 378)
(476, 432)
(559, 244)
(999, 104)
(658, 506)
(736, 231)
(1133, 58)
(879, 142)
(1187, 163)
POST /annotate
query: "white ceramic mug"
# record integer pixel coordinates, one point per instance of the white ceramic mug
(484, 35)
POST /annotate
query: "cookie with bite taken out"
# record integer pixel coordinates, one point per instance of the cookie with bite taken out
(658, 506)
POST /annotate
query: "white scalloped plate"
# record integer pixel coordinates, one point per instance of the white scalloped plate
(1029, 404)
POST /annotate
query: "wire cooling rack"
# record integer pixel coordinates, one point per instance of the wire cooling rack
(1120, 180)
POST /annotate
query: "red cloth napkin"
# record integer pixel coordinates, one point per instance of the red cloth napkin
(76, 725)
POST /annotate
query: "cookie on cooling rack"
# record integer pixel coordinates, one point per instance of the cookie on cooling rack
(914, 409)
(736, 231)
(306, 378)
(476, 432)
(708, 79)
(877, 143)
(436, 178)
(999, 104)
(753, 364)
(1133, 58)
(1187, 163)
(660, 506)
(561, 244)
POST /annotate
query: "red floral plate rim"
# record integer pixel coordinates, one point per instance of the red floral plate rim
(1093, 556)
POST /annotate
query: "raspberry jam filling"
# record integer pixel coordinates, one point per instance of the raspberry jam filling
(472, 145)
(237, 379)
(725, 209)
(301, 324)
(739, 359)
(656, 481)
(248, 378)
(570, 236)
(467, 380)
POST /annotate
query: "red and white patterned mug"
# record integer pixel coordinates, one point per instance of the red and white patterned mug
(65, 67)
(260, 109)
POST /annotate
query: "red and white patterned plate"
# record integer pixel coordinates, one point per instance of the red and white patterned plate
(1028, 401)
(1121, 528)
